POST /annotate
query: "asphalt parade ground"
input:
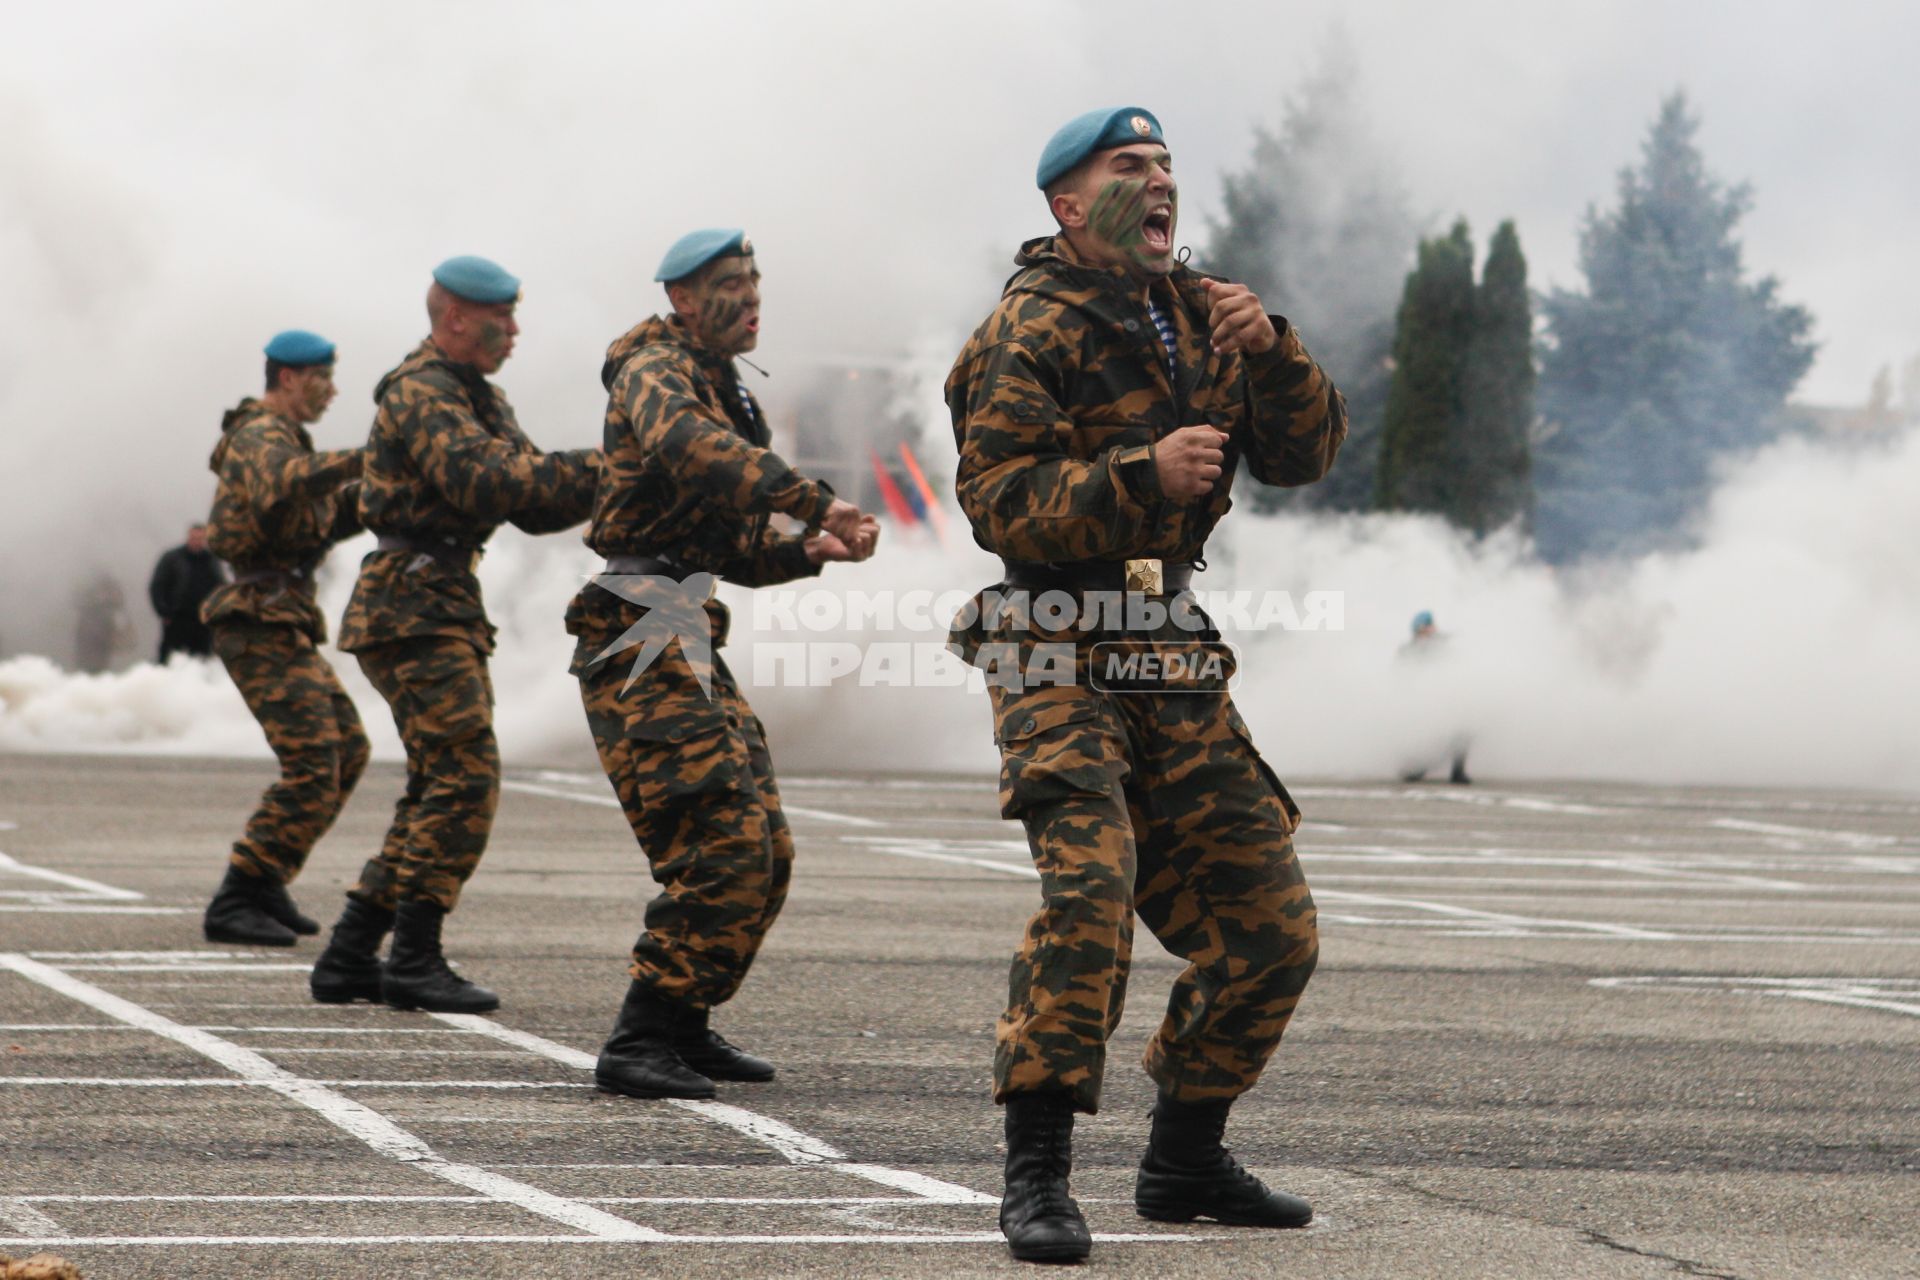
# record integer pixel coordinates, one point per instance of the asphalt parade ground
(1559, 1029)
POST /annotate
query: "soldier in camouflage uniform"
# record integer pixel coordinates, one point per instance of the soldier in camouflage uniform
(1100, 411)
(446, 465)
(688, 496)
(278, 507)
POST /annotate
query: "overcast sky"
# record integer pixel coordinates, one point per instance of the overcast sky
(881, 152)
(180, 180)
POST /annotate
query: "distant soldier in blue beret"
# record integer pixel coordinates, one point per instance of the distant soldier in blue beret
(1101, 412)
(446, 465)
(279, 506)
(689, 495)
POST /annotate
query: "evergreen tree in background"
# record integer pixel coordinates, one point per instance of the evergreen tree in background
(1319, 226)
(1667, 361)
(1426, 403)
(1461, 403)
(1496, 449)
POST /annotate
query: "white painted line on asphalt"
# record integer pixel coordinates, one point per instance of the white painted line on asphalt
(828, 815)
(92, 888)
(134, 1082)
(59, 1198)
(15, 1212)
(923, 1187)
(558, 793)
(561, 793)
(242, 966)
(1862, 993)
(1852, 839)
(1498, 918)
(368, 1126)
(69, 907)
(794, 1146)
(982, 1237)
(917, 850)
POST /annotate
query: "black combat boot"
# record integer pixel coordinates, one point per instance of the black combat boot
(349, 969)
(707, 1051)
(238, 913)
(416, 975)
(1039, 1219)
(1187, 1174)
(639, 1058)
(278, 903)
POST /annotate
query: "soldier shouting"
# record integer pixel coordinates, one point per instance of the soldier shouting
(278, 507)
(687, 497)
(1100, 411)
(446, 465)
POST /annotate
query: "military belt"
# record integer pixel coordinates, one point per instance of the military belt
(1148, 576)
(459, 555)
(649, 567)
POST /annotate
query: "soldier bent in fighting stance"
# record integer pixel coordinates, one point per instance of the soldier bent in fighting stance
(446, 465)
(278, 507)
(1100, 411)
(688, 495)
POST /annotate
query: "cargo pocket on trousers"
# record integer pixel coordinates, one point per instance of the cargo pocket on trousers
(1239, 727)
(1050, 749)
(686, 754)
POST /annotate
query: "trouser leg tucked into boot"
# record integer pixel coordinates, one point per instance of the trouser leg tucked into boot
(639, 1058)
(239, 914)
(349, 969)
(1186, 1173)
(1040, 1220)
(278, 903)
(416, 975)
(709, 1053)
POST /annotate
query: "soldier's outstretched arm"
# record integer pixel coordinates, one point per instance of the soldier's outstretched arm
(704, 450)
(480, 475)
(1026, 498)
(346, 513)
(570, 500)
(277, 468)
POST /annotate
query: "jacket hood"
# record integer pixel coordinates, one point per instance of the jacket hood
(243, 412)
(425, 356)
(1050, 268)
(652, 330)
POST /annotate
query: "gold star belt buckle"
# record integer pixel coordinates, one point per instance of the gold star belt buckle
(1146, 576)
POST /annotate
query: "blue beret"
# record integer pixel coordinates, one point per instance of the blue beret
(477, 280)
(696, 249)
(298, 347)
(1095, 131)
(1422, 619)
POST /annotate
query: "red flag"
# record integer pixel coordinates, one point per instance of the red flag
(896, 501)
(935, 516)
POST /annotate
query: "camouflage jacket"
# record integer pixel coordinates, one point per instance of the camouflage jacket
(447, 464)
(689, 476)
(279, 505)
(1060, 394)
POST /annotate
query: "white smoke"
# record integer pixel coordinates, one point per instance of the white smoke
(1779, 652)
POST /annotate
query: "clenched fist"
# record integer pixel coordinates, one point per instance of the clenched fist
(1238, 320)
(842, 521)
(1188, 461)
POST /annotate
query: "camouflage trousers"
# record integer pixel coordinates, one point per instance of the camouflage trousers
(314, 731)
(1153, 804)
(441, 696)
(696, 782)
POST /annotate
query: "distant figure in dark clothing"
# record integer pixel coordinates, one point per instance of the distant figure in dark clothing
(1423, 646)
(184, 577)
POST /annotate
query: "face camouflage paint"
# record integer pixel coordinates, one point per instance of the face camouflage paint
(1133, 218)
(726, 307)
